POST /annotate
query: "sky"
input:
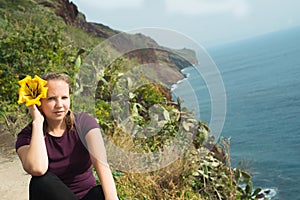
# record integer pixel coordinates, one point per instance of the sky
(208, 22)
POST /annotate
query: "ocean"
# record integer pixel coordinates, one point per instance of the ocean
(261, 76)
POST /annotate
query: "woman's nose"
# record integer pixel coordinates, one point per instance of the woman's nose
(59, 103)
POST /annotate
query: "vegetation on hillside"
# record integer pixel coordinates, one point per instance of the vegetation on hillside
(34, 41)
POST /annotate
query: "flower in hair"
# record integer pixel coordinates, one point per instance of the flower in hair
(32, 90)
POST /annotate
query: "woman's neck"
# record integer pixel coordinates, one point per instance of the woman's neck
(56, 128)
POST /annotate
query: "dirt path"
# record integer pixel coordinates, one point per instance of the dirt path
(13, 179)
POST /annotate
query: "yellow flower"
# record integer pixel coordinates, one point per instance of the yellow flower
(32, 90)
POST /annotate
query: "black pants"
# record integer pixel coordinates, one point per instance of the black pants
(50, 187)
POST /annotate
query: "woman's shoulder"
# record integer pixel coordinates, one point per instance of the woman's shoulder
(27, 129)
(82, 115)
(24, 136)
(84, 119)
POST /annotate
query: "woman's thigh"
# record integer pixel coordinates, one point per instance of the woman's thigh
(49, 187)
(96, 193)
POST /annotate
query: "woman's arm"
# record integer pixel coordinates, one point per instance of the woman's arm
(34, 156)
(106, 179)
(98, 156)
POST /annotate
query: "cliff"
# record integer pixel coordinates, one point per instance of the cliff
(68, 11)
(169, 60)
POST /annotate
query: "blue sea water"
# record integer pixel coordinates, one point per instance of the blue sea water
(261, 76)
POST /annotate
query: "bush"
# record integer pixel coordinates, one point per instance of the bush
(28, 50)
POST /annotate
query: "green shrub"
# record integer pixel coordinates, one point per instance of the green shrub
(30, 50)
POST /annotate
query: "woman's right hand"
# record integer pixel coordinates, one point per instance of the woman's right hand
(35, 114)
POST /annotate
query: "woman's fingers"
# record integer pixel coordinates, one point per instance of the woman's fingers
(35, 113)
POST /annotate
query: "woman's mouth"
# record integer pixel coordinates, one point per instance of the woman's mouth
(59, 112)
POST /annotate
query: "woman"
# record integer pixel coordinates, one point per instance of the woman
(56, 149)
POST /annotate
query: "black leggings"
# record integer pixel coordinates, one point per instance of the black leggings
(50, 187)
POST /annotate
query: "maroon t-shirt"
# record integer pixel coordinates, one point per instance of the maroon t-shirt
(68, 157)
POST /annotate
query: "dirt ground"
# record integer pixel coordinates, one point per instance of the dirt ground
(13, 179)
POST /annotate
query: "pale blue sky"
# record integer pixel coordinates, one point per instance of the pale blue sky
(208, 22)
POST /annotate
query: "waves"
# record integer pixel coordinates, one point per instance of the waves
(261, 78)
(187, 75)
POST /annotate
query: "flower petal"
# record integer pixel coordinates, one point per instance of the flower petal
(32, 90)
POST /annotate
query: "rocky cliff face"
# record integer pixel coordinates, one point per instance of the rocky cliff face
(68, 11)
(172, 63)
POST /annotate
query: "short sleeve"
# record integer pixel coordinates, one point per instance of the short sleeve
(84, 123)
(93, 142)
(24, 137)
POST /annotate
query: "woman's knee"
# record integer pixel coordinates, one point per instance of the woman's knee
(45, 180)
(49, 186)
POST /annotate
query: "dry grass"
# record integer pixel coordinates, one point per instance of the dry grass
(164, 184)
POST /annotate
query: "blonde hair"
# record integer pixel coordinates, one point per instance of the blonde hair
(69, 119)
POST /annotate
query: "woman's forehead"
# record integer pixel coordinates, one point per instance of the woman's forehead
(51, 83)
(57, 85)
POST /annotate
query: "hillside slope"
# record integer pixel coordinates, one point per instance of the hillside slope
(87, 34)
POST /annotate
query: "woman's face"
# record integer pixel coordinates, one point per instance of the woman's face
(57, 104)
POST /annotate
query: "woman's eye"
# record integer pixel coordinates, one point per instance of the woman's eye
(65, 97)
(51, 98)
